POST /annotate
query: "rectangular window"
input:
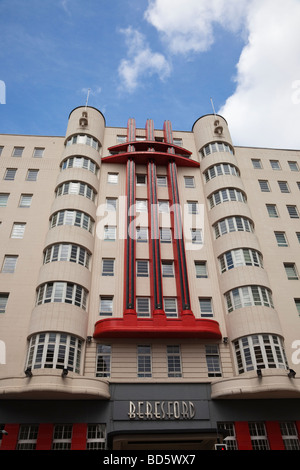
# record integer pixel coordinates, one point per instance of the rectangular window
(144, 361)
(264, 186)
(141, 180)
(297, 303)
(3, 199)
(27, 437)
(165, 235)
(163, 207)
(201, 269)
(38, 152)
(62, 437)
(142, 268)
(1, 149)
(291, 271)
(112, 178)
(17, 151)
(143, 306)
(108, 266)
(290, 435)
(272, 210)
(206, 307)
(281, 239)
(174, 361)
(283, 186)
(9, 264)
(111, 204)
(258, 436)
(110, 233)
(193, 207)
(167, 268)
(256, 163)
(275, 165)
(141, 234)
(32, 175)
(196, 235)
(189, 181)
(96, 437)
(18, 230)
(25, 200)
(3, 302)
(161, 181)
(103, 360)
(106, 305)
(170, 306)
(293, 166)
(10, 174)
(141, 205)
(213, 360)
(293, 212)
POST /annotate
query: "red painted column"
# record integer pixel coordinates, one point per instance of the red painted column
(130, 248)
(298, 428)
(9, 441)
(154, 251)
(183, 294)
(243, 435)
(79, 436)
(45, 437)
(274, 435)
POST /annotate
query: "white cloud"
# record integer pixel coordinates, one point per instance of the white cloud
(141, 61)
(264, 110)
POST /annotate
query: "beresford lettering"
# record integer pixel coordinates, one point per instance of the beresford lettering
(160, 410)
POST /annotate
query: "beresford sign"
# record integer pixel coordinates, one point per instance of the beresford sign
(161, 410)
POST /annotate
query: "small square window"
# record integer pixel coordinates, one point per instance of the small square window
(196, 235)
(38, 152)
(193, 207)
(32, 175)
(17, 151)
(110, 233)
(201, 269)
(25, 200)
(275, 164)
(256, 163)
(141, 205)
(10, 174)
(264, 186)
(111, 204)
(281, 239)
(142, 268)
(141, 180)
(291, 271)
(293, 166)
(167, 268)
(106, 305)
(108, 266)
(112, 178)
(165, 235)
(189, 181)
(293, 212)
(141, 234)
(18, 230)
(283, 186)
(272, 210)
(206, 307)
(161, 181)
(3, 199)
(9, 264)
(163, 207)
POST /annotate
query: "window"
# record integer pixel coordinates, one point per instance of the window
(142, 268)
(141, 234)
(290, 435)
(112, 178)
(293, 166)
(141, 205)
(65, 292)
(38, 152)
(216, 147)
(256, 163)
(201, 269)
(272, 210)
(25, 200)
(9, 264)
(3, 302)
(283, 186)
(281, 239)
(111, 204)
(67, 252)
(17, 151)
(298, 236)
(83, 139)
(141, 180)
(121, 139)
(196, 235)
(232, 224)
(144, 361)
(96, 437)
(1, 149)
(206, 307)
(248, 296)
(80, 162)
(3, 199)
(165, 235)
(167, 268)
(106, 305)
(62, 437)
(76, 188)
(54, 351)
(291, 271)
(161, 181)
(174, 361)
(222, 169)
(143, 306)
(193, 207)
(10, 174)
(275, 165)
(240, 257)
(32, 175)
(293, 212)
(258, 436)
(108, 266)
(72, 217)
(163, 207)
(226, 195)
(18, 230)
(170, 306)
(213, 360)
(229, 429)
(110, 233)
(259, 352)
(264, 186)
(189, 181)
(103, 360)
(177, 142)
(27, 437)
(297, 303)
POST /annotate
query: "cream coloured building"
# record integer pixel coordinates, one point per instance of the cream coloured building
(149, 289)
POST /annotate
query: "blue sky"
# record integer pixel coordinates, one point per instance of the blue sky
(158, 59)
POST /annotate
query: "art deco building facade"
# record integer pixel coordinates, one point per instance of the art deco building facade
(149, 289)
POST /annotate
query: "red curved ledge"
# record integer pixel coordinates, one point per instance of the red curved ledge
(144, 145)
(157, 327)
(142, 158)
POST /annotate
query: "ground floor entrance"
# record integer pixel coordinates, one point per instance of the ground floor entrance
(165, 441)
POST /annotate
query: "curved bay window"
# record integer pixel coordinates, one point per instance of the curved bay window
(67, 252)
(65, 292)
(80, 162)
(72, 217)
(83, 139)
(54, 351)
(76, 188)
(248, 296)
